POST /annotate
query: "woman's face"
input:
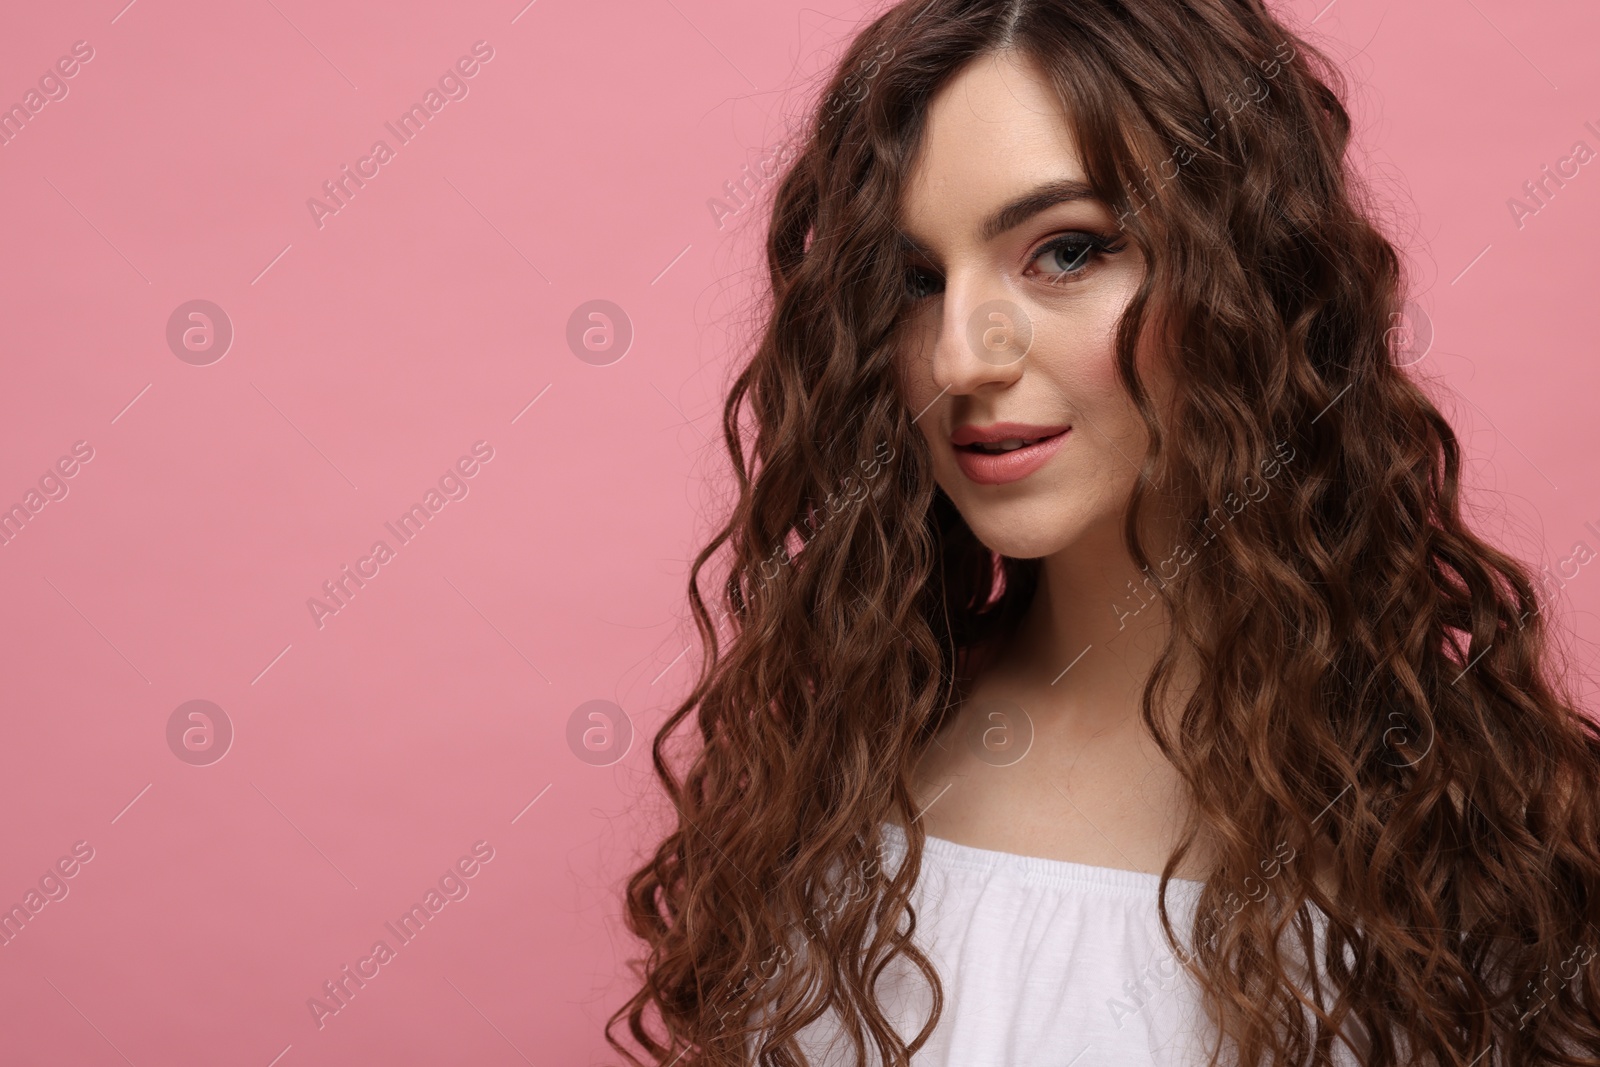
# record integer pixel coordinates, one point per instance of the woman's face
(1018, 281)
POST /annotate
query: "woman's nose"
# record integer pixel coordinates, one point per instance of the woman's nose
(983, 339)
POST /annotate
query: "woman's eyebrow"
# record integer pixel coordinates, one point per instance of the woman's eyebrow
(1034, 201)
(1018, 211)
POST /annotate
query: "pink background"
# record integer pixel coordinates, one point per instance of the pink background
(371, 353)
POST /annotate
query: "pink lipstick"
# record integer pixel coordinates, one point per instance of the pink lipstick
(1005, 451)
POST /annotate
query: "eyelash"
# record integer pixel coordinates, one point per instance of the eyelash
(1096, 244)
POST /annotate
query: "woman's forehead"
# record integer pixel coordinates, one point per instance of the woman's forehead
(996, 133)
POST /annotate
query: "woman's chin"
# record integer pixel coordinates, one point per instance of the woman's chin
(1023, 533)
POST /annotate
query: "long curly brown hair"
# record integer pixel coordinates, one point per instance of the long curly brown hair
(1377, 682)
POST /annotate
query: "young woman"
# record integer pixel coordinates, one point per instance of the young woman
(1101, 670)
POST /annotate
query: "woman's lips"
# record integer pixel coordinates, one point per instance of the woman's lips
(997, 468)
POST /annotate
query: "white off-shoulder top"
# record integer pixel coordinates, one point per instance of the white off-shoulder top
(1043, 963)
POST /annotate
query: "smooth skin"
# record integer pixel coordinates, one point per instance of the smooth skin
(1093, 788)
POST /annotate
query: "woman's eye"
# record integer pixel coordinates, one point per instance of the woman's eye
(921, 283)
(1072, 254)
(1060, 261)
